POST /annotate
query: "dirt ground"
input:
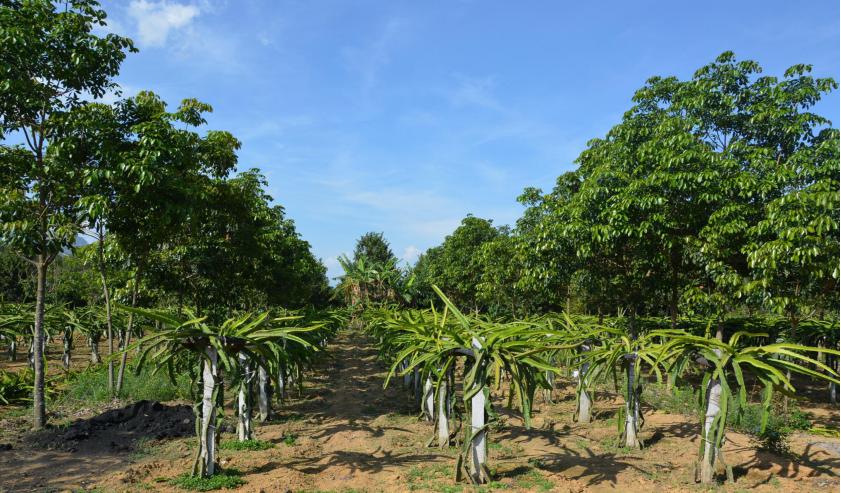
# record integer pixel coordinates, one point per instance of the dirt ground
(350, 435)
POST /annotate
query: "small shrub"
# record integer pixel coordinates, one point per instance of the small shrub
(774, 440)
(681, 400)
(227, 479)
(245, 445)
(289, 439)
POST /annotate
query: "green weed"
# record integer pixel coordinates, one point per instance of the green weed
(225, 479)
(245, 445)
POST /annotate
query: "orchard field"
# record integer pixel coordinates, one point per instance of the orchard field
(664, 318)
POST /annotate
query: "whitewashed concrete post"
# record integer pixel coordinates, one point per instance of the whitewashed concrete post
(207, 452)
(429, 399)
(263, 394)
(244, 429)
(443, 415)
(479, 445)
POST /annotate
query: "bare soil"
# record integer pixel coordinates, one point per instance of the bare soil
(351, 435)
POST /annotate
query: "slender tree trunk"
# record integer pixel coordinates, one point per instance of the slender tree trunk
(713, 398)
(205, 464)
(38, 402)
(443, 414)
(129, 327)
(108, 319)
(244, 429)
(478, 445)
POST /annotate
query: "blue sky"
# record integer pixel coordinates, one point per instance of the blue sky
(403, 117)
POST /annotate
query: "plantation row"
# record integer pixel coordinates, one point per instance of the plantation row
(257, 355)
(436, 352)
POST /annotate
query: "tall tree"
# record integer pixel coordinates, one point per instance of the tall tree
(374, 248)
(50, 59)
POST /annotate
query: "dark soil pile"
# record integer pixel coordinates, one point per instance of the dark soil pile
(119, 429)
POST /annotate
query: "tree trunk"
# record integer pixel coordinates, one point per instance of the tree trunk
(264, 396)
(38, 403)
(244, 430)
(205, 464)
(429, 399)
(129, 327)
(478, 445)
(108, 319)
(443, 415)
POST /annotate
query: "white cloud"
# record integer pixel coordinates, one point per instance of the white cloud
(475, 91)
(410, 254)
(155, 20)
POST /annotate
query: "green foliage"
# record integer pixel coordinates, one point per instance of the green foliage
(373, 247)
(15, 387)
(456, 266)
(91, 386)
(227, 479)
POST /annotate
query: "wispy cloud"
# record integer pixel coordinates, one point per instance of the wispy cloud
(475, 91)
(156, 19)
(410, 254)
(368, 60)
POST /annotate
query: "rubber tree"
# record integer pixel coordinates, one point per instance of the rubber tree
(50, 60)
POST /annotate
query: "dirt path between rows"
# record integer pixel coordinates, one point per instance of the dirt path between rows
(351, 435)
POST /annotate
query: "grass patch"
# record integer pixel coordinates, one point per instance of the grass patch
(225, 479)
(439, 477)
(534, 481)
(91, 386)
(245, 445)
